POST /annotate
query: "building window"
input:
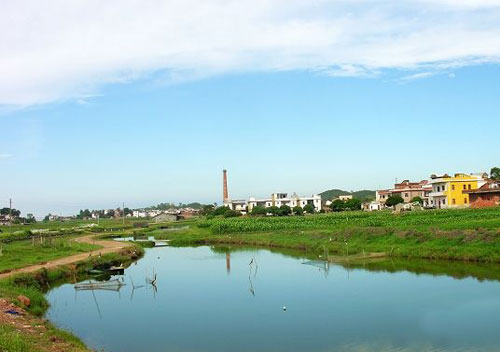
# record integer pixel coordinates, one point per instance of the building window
(465, 186)
(469, 186)
(465, 200)
(452, 187)
(406, 195)
(443, 202)
(453, 201)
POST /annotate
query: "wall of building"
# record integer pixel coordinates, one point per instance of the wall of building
(483, 200)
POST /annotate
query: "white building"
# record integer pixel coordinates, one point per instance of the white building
(276, 199)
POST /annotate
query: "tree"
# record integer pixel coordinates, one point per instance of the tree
(285, 210)
(220, 210)
(297, 210)
(273, 210)
(495, 173)
(417, 200)
(337, 205)
(393, 200)
(309, 208)
(207, 209)
(6, 211)
(353, 204)
(258, 211)
(231, 213)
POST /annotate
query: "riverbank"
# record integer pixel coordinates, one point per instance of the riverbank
(467, 235)
(21, 325)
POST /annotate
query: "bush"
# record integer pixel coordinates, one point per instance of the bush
(231, 213)
(258, 210)
(284, 210)
(274, 210)
(417, 200)
(393, 200)
(297, 210)
(337, 205)
(353, 204)
(220, 210)
(309, 208)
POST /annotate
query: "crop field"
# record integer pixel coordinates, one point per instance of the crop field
(440, 219)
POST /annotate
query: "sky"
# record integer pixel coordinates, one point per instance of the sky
(126, 101)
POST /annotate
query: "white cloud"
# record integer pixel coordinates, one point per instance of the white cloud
(54, 49)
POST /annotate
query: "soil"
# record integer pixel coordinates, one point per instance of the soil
(35, 328)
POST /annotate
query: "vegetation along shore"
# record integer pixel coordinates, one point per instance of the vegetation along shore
(466, 235)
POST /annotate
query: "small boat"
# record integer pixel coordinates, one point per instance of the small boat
(161, 243)
(117, 269)
(112, 285)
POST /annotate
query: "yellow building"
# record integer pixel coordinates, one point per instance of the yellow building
(448, 191)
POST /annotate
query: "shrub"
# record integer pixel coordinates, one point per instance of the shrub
(297, 210)
(258, 210)
(284, 210)
(393, 200)
(274, 210)
(231, 213)
(309, 208)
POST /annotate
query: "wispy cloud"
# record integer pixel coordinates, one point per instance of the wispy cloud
(54, 50)
(416, 76)
(5, 156)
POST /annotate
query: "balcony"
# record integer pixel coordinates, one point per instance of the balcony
(437, 194)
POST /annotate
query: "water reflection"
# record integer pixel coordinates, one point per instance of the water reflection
(387, 305)
(228, 263)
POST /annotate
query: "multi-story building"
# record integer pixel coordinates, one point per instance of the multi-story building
(448, 191)
(276, 199)
(279, 199)
(406, 190)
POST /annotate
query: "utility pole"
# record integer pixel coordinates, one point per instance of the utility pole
(10, 215)
(123, 208)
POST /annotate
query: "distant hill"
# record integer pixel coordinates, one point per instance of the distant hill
(335, 193)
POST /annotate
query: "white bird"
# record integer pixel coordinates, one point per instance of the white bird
(284, 308)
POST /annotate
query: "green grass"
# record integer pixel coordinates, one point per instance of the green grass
(13, 341)
(34, 285)
(441, 219)
(471, 234)
(18, 254)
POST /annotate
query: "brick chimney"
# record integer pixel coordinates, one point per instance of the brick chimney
(225, 196)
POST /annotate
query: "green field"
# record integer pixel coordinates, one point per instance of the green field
(18, 254)
(470, 234)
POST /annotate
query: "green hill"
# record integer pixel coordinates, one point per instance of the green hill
(335, 193)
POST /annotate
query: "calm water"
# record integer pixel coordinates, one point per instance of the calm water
(210, 301)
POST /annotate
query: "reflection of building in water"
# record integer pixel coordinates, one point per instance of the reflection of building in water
(321, 265)
(228, 262)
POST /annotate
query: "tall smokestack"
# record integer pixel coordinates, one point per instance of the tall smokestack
(225, 196)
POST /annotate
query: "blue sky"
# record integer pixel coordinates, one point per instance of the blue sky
(285, 95)
(142, 143)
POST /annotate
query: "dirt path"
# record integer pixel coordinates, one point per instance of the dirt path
(107, 247)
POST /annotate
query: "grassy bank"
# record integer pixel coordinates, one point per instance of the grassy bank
(18, 254)
(470, 234)
(34, 286)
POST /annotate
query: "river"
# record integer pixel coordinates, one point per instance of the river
(212, 299)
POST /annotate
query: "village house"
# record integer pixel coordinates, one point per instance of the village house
(488, 195)
(276, 199)
(448, 191)
(279, 199)
(166, 217)
(406, 190)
